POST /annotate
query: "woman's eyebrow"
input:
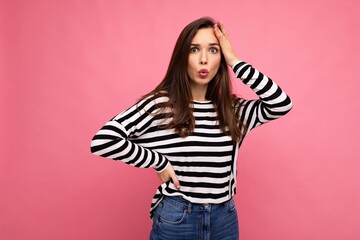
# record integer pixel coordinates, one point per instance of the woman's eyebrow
(211, 44)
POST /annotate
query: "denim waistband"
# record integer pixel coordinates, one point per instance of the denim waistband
(182, 202)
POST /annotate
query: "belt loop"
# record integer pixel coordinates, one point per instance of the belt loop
(189, 207)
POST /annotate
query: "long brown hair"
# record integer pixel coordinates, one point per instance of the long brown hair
(176, 85)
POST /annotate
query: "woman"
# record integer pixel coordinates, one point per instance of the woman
(189, 129)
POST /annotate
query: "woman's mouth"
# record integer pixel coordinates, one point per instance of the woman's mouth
(203, 73)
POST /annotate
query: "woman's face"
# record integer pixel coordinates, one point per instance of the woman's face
(204, 58)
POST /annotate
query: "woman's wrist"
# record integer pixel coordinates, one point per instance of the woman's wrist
(231, 61)
(234, 62)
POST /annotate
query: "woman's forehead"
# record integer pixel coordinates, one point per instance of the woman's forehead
(205, 36)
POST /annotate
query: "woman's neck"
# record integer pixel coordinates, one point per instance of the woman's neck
(199, 93)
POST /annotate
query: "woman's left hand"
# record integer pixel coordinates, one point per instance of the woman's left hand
(230, 56)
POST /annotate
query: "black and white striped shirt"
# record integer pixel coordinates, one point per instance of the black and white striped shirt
(205, 161)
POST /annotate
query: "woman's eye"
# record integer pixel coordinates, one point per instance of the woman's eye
(214, 50)
(194, 49)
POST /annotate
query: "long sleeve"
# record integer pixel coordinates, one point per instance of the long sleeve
(113, 140)
(273, 102)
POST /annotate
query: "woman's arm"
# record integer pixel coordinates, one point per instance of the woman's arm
(273, 102)
(111, 141)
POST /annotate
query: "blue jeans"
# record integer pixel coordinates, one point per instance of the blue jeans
(177, 219)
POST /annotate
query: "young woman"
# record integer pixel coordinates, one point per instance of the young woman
(189, 129)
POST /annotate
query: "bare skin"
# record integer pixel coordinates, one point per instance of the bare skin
(199, 90)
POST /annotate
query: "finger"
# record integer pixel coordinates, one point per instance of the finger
(175, 181)
(218, 33)
(222, 28)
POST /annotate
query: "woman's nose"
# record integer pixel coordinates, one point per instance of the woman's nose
(203, 58)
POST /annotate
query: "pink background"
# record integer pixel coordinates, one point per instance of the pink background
(66, 67)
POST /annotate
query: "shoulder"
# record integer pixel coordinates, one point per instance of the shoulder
(240, 104)
(145, 106)
(237, 101)
(151, 103)
(154, 99)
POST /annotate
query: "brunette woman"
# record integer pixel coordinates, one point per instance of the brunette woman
(189, 129)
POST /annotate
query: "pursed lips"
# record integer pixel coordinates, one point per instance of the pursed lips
(203, 72)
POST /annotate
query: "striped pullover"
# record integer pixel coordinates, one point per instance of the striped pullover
(204, 161)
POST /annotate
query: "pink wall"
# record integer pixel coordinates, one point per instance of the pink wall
(68, 66)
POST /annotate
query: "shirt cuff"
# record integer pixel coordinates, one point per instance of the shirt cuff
(233, 67)
(163, 166)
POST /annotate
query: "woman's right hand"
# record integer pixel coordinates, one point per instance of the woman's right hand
(167, 174)
(229, 54)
